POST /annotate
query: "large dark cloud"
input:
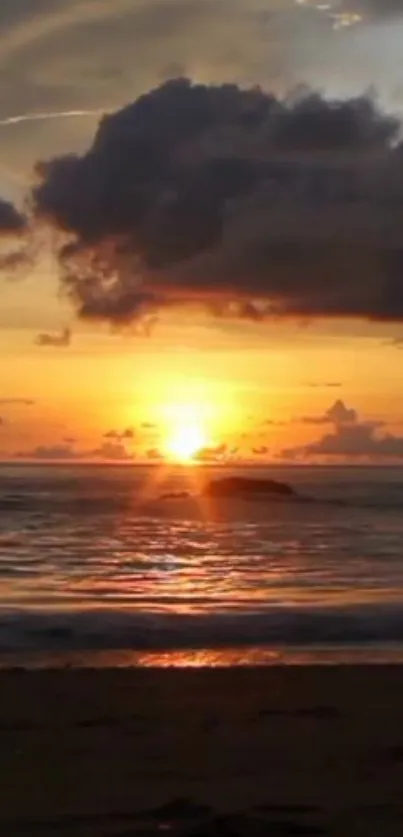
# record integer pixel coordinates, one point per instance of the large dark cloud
(253, 205)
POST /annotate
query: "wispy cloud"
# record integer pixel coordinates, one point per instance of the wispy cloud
(43, 117)
(11, 402)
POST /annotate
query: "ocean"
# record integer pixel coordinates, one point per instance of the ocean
(116, 565)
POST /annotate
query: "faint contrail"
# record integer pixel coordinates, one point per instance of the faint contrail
(39, 117)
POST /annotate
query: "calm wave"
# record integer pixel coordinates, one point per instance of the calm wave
(93, 558)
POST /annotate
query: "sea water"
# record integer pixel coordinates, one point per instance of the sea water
(131, 565)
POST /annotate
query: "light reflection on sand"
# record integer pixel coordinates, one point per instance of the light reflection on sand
(247, 657)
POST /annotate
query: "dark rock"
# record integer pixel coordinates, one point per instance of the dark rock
(245, 487)
(175, 495)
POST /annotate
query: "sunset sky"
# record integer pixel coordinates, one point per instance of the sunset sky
(220, 258)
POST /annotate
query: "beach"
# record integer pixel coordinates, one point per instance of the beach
(248, 751)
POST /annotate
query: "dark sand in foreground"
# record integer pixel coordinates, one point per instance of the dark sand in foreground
(274, 751)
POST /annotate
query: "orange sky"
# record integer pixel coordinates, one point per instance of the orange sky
(260, 391)
(250, 387)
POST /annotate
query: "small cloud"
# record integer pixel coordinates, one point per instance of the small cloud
(58, 341)
(324, 384)
(115, 451)
(340, 414)
(337, 414)
(260, 451)
(148, 425)
(128, 433)
(50, 452)
(120, 435)
(212, 454)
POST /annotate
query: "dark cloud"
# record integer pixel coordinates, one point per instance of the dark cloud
(337, 414)
(251, 205)
(120, 435)
(114, 451)
(260, 451)
(212, 454)
(61, 340)
(58, 451)
(351, 437)
(11, 221)
(16, 255)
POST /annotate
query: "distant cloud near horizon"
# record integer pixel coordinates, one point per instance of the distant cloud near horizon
(324, 384)
(337, 414)
(260, 451)
(60, 451)
(120, 435)
(351, 438)
(57, 341)
(113, 451)
(212, 453)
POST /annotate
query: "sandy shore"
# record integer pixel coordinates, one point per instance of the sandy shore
(275, 751)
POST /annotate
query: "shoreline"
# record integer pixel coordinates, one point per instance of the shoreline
(247, 656)
(134, 751)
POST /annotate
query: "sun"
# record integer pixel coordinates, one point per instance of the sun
(185, 433)
(185, 443)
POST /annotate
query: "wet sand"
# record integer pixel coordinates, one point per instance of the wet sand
(271, 751)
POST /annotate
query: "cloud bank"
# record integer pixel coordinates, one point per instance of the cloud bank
(350, 438)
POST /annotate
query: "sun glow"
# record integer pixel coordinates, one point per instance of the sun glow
(185, 433)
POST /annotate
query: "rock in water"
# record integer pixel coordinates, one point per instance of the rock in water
(245, 488)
